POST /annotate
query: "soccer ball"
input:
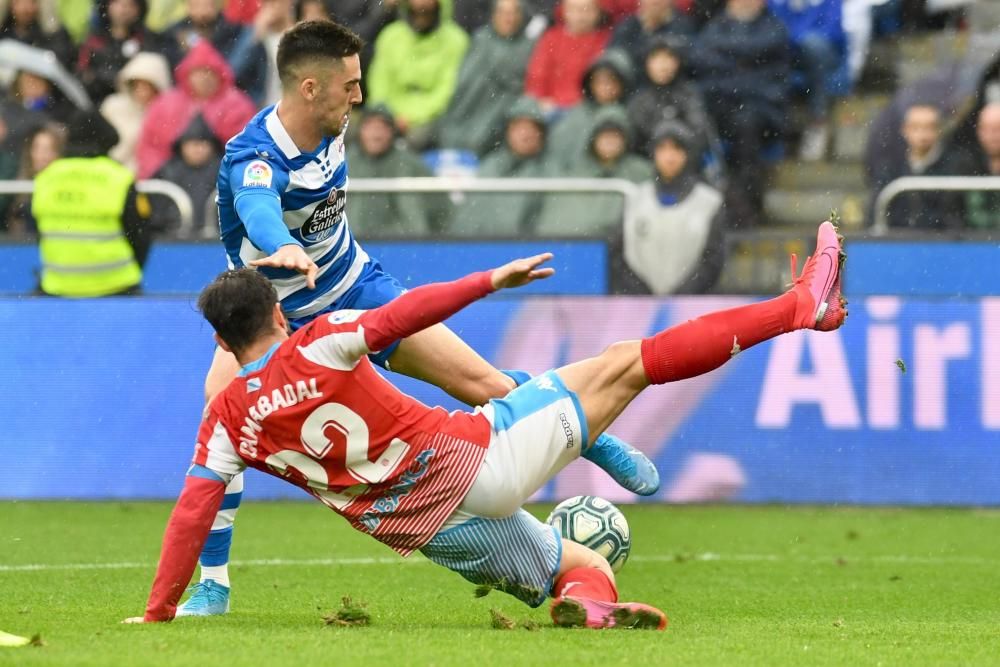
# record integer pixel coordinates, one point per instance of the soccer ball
(595, 523)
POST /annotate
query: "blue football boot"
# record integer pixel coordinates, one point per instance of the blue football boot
(625, 464)
(209, 598)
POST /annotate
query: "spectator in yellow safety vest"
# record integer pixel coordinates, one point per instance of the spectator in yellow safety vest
(93, 239)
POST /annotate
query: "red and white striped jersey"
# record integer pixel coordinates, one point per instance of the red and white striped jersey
(315, 412)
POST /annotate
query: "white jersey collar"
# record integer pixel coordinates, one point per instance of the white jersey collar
(280, 135)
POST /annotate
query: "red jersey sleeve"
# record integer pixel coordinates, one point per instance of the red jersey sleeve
(422, 307)
(347, 335)
(185, 536)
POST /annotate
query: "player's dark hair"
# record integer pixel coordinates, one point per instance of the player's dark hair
(314, 40)
(238, 304)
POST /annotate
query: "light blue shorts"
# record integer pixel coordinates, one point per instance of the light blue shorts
(518, 554)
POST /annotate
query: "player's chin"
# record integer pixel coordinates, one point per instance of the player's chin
(338, 126)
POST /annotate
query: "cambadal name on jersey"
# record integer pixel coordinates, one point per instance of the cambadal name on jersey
(286, 396)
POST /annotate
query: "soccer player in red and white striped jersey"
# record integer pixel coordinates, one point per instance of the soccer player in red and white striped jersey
(311, 409)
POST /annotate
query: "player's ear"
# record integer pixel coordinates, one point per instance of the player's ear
(221, 343)
(309, 88)
(280, 320)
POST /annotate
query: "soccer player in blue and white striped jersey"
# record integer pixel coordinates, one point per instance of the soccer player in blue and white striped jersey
(282, 194)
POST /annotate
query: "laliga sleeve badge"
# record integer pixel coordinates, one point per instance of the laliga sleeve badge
(257, 174)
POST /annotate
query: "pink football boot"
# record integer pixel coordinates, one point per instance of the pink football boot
(821, 305)
(579, 612)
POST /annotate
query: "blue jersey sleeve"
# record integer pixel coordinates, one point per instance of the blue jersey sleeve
(257, 186)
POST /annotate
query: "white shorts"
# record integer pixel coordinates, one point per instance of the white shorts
(538, 429)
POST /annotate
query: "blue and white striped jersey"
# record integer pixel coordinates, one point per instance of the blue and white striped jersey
(312, 189)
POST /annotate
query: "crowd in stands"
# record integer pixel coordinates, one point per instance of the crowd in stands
(928, 151)
(691, 100)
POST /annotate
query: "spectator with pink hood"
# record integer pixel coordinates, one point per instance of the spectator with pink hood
(204, 85)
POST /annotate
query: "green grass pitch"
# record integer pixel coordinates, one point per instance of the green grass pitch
(742, 586)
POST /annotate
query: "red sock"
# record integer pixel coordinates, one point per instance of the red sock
(586, 582)
(705, 343)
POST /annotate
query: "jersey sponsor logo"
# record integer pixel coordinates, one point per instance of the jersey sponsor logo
(388, 503)
(325, 217)
(257, 174)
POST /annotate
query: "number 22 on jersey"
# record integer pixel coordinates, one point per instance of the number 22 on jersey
(318, 432)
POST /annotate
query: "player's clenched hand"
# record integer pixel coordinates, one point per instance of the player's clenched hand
(521, 272)
(293, 257)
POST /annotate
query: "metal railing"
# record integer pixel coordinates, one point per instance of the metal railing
(153, 186)
(880, 224)
(625, 188)
(448, 184)
(182, 200)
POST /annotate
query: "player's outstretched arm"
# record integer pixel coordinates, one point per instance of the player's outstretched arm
(260, 210)
(189, 525)
(427, 305)
(291, 256)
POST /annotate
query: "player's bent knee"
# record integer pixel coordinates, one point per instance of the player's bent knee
(499, 385)
(481, 388)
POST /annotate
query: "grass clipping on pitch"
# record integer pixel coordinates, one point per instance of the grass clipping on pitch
(351, 613)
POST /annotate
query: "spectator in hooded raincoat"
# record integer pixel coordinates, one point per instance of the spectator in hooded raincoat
(596, 215)
(490, 80)
(673, 242)
(607, 83)
(204, 85)
(140, 82)
(194, 166)
(655, 18)
(379, 152)
(669, 95)
(416, 64)
(522, 155)
(204, 22)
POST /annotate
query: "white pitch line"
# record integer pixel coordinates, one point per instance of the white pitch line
(133, 565)
(416, 560)
(819, 560)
